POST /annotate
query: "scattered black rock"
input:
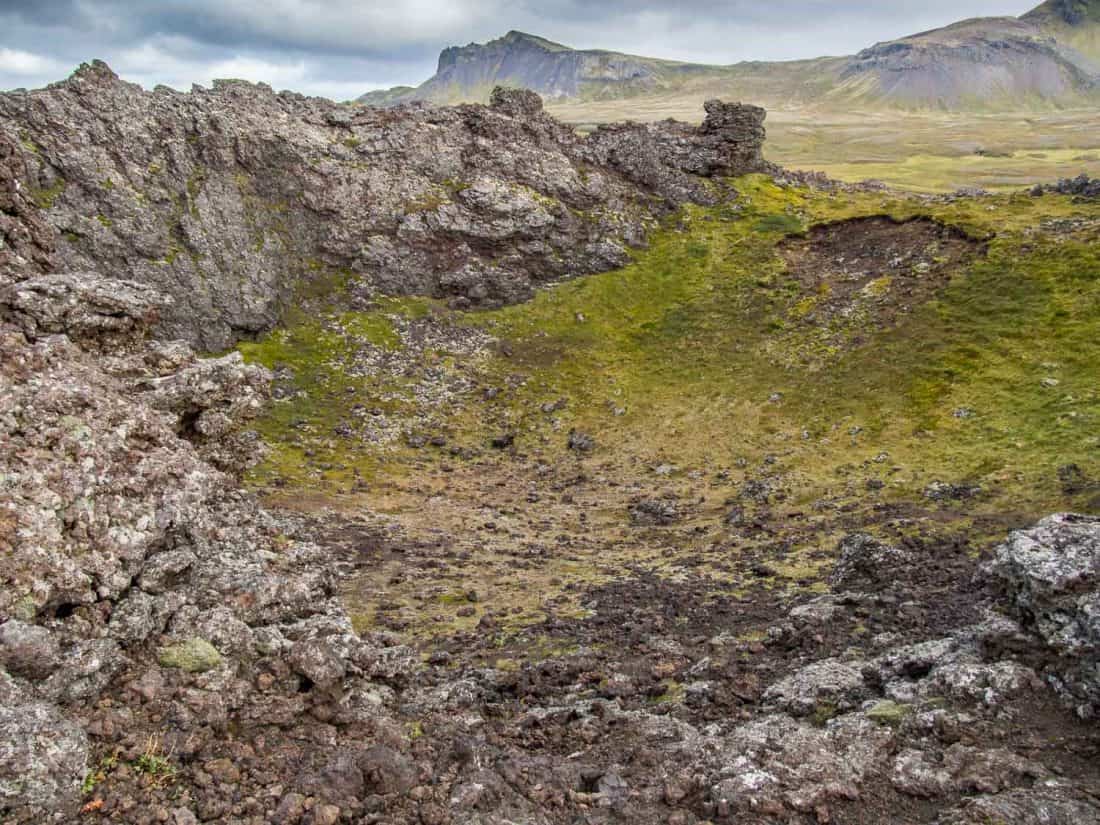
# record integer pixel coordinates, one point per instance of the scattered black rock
(581, 442)
(863, 560)
(943, 491)
(649, 512)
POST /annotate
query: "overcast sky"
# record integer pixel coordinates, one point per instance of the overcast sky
(342, 48)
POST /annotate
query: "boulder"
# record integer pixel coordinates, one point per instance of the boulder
(863, 559)
(96, 312)
(1050, 577)
(43, 757)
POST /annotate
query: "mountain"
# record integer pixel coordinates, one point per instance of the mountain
(974, 63)
(518, 59)
(1048, 57)
(1075, 23)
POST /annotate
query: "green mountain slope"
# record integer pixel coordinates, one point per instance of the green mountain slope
(1075, 23)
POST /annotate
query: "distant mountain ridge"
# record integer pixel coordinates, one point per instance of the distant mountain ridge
(469, 73)
(1048, 57)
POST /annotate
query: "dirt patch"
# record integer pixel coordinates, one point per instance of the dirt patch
(875, 267)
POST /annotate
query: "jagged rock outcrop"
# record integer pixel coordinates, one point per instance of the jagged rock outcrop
(234, 200)
(99, 313)
(26, 239)
(657, 155)
(1081, 186)
(1051, 575)
(128, 558)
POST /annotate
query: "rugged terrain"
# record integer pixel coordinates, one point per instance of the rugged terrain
(753, 527)
(238, 202)
(1048, 57)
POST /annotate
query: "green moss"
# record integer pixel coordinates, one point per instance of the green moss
(889, 713)
(194, 188)
(784, 224)
(104, 221)
(823, 712)
(194, 656)
(47, 197)
(28, 143)
(674, 693)
(171, 255)
(321, 353)
(455, 186)
(455, 598)
(694, 343)
(691, 340)
(427, 202)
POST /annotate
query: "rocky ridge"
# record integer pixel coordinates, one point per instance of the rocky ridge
(236, 201)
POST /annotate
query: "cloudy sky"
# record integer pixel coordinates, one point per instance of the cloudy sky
(342, 48)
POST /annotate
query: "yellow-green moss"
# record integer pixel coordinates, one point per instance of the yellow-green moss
(46, 197)
(193, 655)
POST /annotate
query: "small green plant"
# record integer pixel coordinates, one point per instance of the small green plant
(44, 198)
(823, 712)
(154, 763)
(97, 774)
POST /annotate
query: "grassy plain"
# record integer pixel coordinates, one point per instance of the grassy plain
(919, 151)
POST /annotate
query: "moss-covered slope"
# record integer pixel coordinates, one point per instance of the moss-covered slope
(709, 349)
(765, 377)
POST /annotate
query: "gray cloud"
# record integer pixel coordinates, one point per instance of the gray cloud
(340, 48)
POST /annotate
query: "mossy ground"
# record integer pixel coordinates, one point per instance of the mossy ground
(698, 358)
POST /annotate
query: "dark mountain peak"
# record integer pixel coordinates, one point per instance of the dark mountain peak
(513, 43)
(518, 38)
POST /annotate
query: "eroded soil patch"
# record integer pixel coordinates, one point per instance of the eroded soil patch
(876, 267)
